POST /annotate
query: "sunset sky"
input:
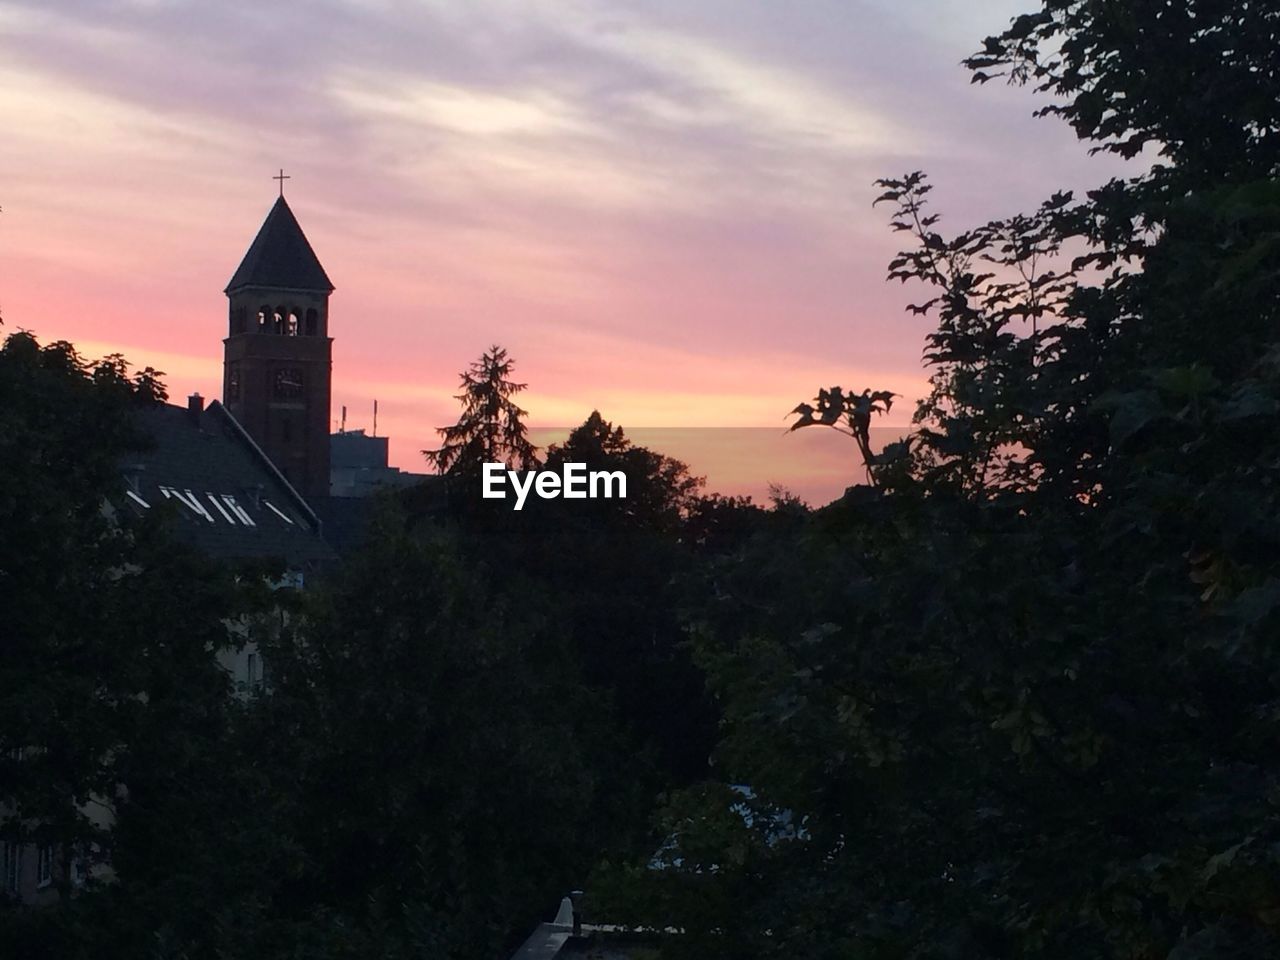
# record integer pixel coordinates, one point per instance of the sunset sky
(662, 209)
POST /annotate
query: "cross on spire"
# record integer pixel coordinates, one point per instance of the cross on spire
(282, 177)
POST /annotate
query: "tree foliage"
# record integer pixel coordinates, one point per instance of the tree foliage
(660, 489)
(612, 570)
(460, 720)
(1018, 699)
(491, 427)
(849, 413)
(66, 573)
(111, 702)
(437, 746)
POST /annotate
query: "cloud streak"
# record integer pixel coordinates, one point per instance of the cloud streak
(657, 206)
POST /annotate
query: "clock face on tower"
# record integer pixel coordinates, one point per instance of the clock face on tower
(287, 384)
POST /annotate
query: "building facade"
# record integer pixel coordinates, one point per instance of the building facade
(278, 355)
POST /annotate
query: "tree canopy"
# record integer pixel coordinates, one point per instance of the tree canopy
(491, 426)
(1017, 699)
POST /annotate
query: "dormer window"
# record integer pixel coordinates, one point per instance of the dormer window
(12, 868)
(44, 866)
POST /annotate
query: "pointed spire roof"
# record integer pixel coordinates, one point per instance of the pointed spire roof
(280, 257)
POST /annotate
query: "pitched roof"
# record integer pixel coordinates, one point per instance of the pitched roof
(280, 257)
(228, 499)
(566, 937)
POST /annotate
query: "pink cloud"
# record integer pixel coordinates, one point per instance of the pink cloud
(662, 213)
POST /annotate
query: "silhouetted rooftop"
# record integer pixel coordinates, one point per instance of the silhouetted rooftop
(281, 257)
(229, 500)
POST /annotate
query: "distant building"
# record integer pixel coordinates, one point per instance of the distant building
(27, 871)
(358, 466)
(232, 501)
(229, 501)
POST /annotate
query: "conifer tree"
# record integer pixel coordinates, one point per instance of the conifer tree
(491, 428)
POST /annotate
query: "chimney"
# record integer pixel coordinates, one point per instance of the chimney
(575, 898)
(195, 406)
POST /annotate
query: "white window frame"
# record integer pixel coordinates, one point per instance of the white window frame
(44, 866)
(12, 868)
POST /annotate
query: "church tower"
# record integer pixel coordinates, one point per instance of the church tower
(278, 357)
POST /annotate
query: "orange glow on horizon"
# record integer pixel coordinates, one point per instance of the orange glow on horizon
(661, 214)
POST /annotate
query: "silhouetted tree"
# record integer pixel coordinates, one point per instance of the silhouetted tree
(660, 489)
(491, 428)
(114, 713)
(437, 742)
(848, 413)
(1018, 700)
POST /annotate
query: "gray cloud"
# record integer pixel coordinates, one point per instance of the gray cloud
(670, 149)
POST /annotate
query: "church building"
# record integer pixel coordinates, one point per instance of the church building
(278, 355)
(249, 477)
